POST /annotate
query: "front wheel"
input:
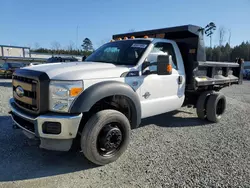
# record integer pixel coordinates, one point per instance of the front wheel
(105, 136)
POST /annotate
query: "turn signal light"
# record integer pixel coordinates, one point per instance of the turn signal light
(132, 37)
(75, 91)
(169, 68)
(145, 37)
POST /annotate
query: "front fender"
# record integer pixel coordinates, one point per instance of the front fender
(94, 93)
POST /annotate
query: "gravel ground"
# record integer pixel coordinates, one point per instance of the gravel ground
(171, 150)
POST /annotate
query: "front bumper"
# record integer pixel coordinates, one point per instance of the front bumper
(33, 125)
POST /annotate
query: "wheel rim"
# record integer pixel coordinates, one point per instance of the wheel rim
(220, 107)
(110, 139)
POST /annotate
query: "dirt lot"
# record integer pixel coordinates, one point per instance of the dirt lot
(171, 150)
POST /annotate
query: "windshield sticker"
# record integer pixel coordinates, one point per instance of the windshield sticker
(139, 45)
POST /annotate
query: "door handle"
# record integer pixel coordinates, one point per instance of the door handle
(180, 80)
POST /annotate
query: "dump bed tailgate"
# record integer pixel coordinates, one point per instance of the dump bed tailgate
(218, 73)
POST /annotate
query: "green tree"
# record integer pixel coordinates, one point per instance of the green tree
(209, 31)
(87, 45)
(227, 53)
(209, 52)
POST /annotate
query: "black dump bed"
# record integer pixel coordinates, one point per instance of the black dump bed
(199, 72)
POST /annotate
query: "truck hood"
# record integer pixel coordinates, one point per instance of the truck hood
(80, 70)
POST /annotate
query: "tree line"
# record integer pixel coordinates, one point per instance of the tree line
(87, 48)
(228, 53)
(217, 53)
(224, 52)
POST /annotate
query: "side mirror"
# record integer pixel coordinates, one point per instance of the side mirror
(164, 64)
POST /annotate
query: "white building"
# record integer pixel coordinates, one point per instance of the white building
(23, 54)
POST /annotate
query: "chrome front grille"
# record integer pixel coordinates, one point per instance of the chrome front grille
(24, 79)
(29, 100)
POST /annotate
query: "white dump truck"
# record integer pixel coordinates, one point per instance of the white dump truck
(134, 76)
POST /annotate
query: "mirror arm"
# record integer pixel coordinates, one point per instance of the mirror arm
(154, 63)
(148, 64)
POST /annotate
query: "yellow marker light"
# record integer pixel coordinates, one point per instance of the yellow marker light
(145, 37)
(125, 38)
(169, 68)
(132, 37)
(74, 91)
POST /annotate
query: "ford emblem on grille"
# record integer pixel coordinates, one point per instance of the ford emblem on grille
(20, 91)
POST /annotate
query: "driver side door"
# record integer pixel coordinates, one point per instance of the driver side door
(161, 93)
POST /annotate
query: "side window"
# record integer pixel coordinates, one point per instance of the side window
(166, 48)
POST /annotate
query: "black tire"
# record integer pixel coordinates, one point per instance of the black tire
(97, 129)
(216, 106)
(201, 104)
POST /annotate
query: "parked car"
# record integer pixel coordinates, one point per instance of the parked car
(7, 69)
(61, 59)
(246, 73)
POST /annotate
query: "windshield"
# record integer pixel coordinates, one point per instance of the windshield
(125, 52)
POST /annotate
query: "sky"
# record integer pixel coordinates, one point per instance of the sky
(39, 23)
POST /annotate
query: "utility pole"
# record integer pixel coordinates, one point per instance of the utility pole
(210, 40)
(248, 53)
(229, 42)
(76, 37)
(229, 38)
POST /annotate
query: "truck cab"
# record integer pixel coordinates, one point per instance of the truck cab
(136, 75)
(150, 87)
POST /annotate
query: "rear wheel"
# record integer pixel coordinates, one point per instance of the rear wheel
(201, 104)
(105, 136)
(216, 106)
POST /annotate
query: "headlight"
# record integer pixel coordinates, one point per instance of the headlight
(62, 94)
